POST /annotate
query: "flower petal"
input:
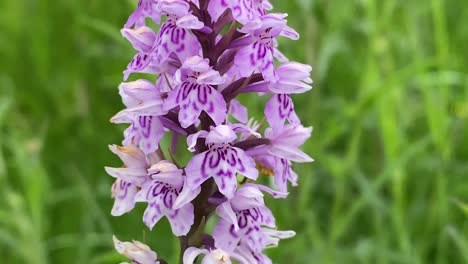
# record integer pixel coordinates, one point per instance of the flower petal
(192, 253)
(226, 181)
(174, 7)
(225, 235)
(136, 251)
(246, 164)
(132, 157)
(136, 176)
(189, 22)
(238, 111)
(140, 63)
(193, 138)
(186, 196)
(181, 220)
(153, 213)
(151, 130)
(124, 195)
(220, 135)
(225, 211)
(289, 153)
(280, 108)
(210, 77)
(195, 171)
(142, 39)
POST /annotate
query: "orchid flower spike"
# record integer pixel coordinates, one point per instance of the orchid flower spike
(181, 93)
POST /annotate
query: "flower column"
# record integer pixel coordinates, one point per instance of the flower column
(206, 53)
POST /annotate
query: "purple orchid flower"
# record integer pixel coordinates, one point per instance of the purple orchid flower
(221, 161)
(129, 178)
(293, 78)
(285, 143)
(167, 195)
(174, 40)
(282, 171)
(174, 37)
(245, 219)
(258, 55)
(195, 92)
(144, 108)
(283, 148)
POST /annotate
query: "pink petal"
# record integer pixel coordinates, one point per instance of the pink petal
(136, 176)
(192, 253)
(181, 220)
(132, 157)
(186, 196)
(189, 22)
(124, 195)
(238, 111)
(225, 212)
(246, 165)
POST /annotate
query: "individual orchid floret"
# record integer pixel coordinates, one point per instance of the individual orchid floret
(285, 143)
(128, 179)
(195, 92)
(258, 55)
(136, 251)
(279, 168)
(146, 8)
(280, 108)
(167, 195)
(175, 36)
(174, 39)
(144, 108)
(222, 161)
(214, 256)
(283, 147)
(242, 10)
(293, 78)
(245, 219)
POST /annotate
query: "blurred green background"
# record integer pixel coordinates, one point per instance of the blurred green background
(389, 107)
